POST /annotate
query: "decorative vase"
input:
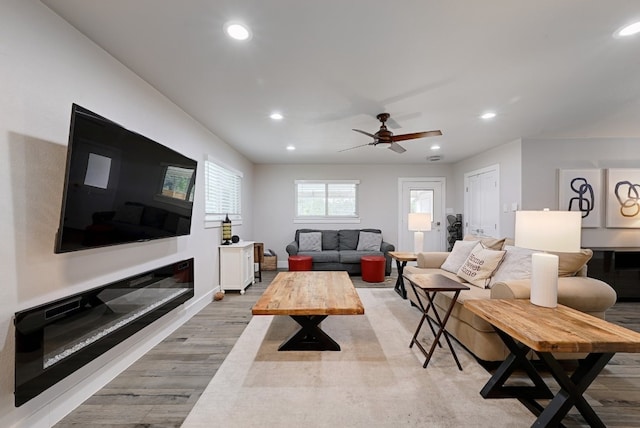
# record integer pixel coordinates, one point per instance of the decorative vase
(226, 231)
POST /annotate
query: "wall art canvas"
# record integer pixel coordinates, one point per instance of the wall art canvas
(581, 190)
(623, 198)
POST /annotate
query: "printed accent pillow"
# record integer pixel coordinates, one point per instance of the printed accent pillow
(310, 241)
(516, 265)
(369, 241)
(458, 255)
(480, 265)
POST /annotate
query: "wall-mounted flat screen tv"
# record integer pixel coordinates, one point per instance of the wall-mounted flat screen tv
(121, 187)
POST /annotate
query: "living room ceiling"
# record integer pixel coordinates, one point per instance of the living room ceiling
(547, 68)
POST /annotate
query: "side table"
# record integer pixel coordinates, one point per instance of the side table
(432, 284)
(401, 259)
(523, 326)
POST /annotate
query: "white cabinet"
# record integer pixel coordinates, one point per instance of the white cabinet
(236, 266)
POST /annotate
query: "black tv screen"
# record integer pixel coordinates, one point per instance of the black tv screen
(121, 187)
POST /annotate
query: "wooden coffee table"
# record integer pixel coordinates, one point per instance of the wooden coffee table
(308, 298)
(401, 258)
(431, 284)
(523, 326)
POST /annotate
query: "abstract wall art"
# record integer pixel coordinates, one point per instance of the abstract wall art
(581, 190)
(623, 198)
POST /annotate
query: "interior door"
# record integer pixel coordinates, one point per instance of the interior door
(421, 195)
(482, 202)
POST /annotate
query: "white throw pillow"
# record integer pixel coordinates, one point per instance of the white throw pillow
(480, 265)
(369, 241)
(516, 265)
(458, 255)
(310, 241)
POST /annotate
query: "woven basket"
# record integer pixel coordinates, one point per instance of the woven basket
(270, 263)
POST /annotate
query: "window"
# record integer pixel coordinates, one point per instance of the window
(326, 200)
(421, 201)
(223, 194)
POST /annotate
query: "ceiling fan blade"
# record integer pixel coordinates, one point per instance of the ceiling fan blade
(403, 137)
(393, 124)
(355, 147)
(366, 133)
(397, 148)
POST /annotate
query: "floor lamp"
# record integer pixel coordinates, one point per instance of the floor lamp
(419, 223)
(547, 231)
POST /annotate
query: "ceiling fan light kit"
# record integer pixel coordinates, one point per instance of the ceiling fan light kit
(384, 136)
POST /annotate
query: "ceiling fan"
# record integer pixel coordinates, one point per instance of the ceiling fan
(384, 136)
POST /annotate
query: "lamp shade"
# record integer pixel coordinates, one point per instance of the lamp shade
(419, 222)
(549, 230)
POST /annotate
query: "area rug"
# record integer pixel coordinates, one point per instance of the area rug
(374, 381)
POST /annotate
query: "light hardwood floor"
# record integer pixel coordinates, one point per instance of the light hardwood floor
(160, 389)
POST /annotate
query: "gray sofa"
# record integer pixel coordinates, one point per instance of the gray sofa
(339, 250)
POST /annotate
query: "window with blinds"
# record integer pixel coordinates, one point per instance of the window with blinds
(223, 192)
(326, 200)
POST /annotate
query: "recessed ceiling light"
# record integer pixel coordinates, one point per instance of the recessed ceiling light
(488, 115)
(290, 147)
(629, 30)
(276, 116)
(435, 147)
(237, 31)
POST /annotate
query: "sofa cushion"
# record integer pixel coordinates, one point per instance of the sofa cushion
(369, 241)
(459, 254)
(310, 241)
(353, 256)
(571, 263)
(328, 256)
(348, 239)
(431, 259)
(516, 265)
(489, 242)
(329, 240)
(480, 265)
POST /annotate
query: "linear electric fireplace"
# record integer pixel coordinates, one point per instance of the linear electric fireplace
(55, 339)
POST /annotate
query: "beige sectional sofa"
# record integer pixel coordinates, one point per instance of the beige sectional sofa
(575, 290)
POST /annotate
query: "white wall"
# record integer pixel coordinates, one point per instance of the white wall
(543, 158)
(509, 158)
(45, 66)
(274, 198)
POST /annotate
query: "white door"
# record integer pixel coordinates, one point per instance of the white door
(482, 202)
(421, 195)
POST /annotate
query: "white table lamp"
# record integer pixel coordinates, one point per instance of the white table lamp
(547, 231)
(419, 223)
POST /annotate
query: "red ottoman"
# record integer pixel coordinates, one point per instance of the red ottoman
(372, 268)
(300, 263)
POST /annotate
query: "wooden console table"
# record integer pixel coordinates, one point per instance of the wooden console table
(523, 326)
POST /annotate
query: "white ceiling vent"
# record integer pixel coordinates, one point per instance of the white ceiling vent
(434, 158)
